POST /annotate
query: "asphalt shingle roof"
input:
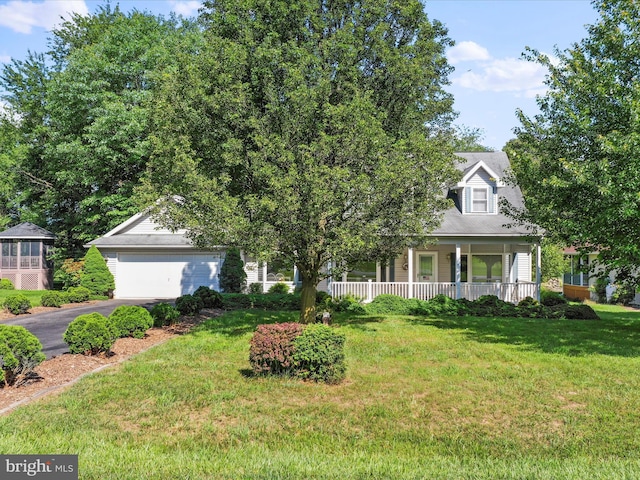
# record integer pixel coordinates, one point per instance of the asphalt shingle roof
(27, 230)
(454, 223)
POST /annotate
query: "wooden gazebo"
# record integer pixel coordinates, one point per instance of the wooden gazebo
(23, 256)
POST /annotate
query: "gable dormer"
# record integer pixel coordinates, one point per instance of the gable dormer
(478, 190)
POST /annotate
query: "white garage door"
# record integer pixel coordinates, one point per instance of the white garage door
(165, 275)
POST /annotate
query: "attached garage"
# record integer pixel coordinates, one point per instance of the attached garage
(165, 275)
(148, 261)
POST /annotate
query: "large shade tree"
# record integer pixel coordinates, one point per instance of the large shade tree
(578, 161)
(314, 130)
(80, 119)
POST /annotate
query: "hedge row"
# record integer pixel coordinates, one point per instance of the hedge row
(311, 352)
(485, 306)
(20, 303)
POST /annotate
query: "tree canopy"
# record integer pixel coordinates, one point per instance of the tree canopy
(315, 131)
(578, 161)
(78, 120)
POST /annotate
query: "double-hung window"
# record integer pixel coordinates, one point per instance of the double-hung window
(479, 200)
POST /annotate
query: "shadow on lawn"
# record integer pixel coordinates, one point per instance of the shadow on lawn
(241, 322)
(617, 334)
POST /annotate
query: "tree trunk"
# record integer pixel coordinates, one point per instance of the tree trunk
(308, 300)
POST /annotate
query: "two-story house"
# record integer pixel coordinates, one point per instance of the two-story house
(475, 251)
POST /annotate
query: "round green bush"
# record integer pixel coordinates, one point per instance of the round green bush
(385, 304)
(319, 354)
(549, 298)
(17, 304)
(279, 288)
(78, 294)
(164, 314)
(6, 284)
(90, 334)
(131, 320)
(53, 299)
(210, 298)
(189, 305)
(255, 288)
(20, 353)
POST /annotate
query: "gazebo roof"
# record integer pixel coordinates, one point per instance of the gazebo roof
(27, 231)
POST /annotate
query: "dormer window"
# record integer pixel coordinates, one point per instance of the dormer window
(480, 200)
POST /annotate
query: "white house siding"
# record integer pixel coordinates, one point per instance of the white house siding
(480, 179)
(147, 227)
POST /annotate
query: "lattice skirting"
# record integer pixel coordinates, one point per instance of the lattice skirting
(28, 281)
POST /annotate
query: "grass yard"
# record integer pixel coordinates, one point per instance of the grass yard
(460, 398)
(35, 296)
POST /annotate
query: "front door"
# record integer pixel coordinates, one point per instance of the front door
(427, 267)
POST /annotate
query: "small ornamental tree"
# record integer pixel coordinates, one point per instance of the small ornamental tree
(233, 278)
(96, 275)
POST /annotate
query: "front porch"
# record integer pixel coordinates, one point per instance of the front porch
(509, 292)
(452, 268)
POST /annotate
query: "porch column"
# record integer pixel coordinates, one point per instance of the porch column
(264, 277)
(538, 269)
(458, 278)
(410, 271)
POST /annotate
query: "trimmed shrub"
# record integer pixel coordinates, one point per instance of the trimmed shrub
(385, 304)
(189, 305)
(492, 306)
(255, 288)
(443, 305)
(90, 334)
(6, 284)
(164, 314)
(549, 298)
(580, 312)
(322, 297)
(17, 304)
(347, 303)
(279, 288)
(96, 276)
(318, 354)
(271, 348)
(53, 299)
(233, 278)
(268, 301)
(78, 294)
(210, 298)
(20, 353)
(131, 320)
(528, 302)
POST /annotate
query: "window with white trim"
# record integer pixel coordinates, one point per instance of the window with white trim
(479, 200)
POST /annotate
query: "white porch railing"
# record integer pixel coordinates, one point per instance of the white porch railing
(509, 292)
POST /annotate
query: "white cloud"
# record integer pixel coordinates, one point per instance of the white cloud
(467, 51)
(23, 16)
(186, 8)
(5, 59)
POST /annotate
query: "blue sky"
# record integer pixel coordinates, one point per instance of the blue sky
(490, 80)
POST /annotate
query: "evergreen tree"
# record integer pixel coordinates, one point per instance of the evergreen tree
(233, 278)
(96, 275)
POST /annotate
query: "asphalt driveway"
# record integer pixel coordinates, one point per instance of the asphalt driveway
(50, 326)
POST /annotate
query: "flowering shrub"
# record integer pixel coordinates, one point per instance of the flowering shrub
(272, 348)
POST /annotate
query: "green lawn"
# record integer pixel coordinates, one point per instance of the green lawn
(460, 398)
(35, 296)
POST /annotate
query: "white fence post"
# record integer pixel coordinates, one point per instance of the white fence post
(369, 290)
